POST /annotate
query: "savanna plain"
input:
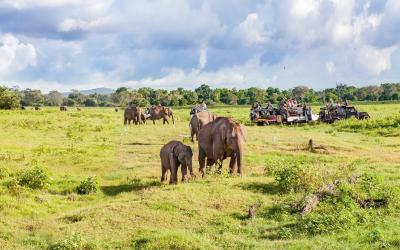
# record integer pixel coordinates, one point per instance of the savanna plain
(83, 180)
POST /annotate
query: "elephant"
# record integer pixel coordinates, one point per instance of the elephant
(160, 112)
(133, 114)
(198, 121)
(173, 154)
(220, 139)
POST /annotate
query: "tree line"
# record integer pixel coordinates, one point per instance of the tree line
(14, 97)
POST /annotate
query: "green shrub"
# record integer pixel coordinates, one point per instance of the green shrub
(74, 242)
(87, 186)
(373, 187)
(35, 178)
(8, 99)
(336, 213)
(295, 178)
(14, 187)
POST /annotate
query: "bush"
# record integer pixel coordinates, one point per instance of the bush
(87, 186)
(14, 188)
(8, 99)
(295, 178)
(337, 213)
(35, 178)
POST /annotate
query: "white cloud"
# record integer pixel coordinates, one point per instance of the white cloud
(30, 4)
(186, 42)
(305, 8)
(331, 67)
(14, 55)
(76, 24)
(251, 30)
(374, 60)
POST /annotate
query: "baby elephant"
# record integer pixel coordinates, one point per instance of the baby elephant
(173, 154)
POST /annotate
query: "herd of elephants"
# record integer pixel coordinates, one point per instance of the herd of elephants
(218, 138)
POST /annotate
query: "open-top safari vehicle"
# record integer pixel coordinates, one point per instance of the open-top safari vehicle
(331, 114)
(298, 114)
(283, 114)
(264, 116)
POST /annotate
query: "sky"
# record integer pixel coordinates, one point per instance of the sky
(75, 44)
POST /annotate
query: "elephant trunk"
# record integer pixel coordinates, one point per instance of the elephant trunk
(239, 156)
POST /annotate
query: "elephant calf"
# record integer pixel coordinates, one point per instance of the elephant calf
(173, 154)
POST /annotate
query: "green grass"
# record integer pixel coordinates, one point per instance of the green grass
(132, 209)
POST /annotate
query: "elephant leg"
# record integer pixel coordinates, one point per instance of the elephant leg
(202, 161)
(163, 172)
(232, 164)
(174, 164)
(165, 119)
(125, 121)
(192, 133)
(184, 172)
(154, 122)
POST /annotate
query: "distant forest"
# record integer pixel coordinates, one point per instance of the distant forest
(13, 97)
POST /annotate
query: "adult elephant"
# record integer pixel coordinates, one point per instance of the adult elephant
(198, 121)
(160, 112)
(220, 139)
(133, 114)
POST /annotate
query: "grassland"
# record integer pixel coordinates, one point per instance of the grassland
(132, 209)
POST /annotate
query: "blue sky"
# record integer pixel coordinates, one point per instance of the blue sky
(65, 44)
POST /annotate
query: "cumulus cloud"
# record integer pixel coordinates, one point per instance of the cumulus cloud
(251, 30)
(187, 42)
(15, 55)
(374, 60)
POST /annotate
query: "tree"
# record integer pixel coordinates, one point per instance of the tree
(54, 98)
(256, 95)
(190, 97)
(369, 93)
(90, 102)
(389, 91)
(8, 99)
(31, 97)
(204, 93)
(300, 92)
(77, 97)
(121, 89)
